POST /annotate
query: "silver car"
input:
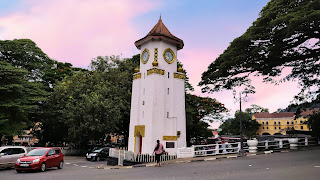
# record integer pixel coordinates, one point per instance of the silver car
(10, 154)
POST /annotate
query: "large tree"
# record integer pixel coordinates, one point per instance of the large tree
(89, 105)
(19, 98)
(232, 125)
(199, 109)
(284, 37)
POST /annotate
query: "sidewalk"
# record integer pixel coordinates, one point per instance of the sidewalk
(208, 158)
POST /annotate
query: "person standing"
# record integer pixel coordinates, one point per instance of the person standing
(158, 150)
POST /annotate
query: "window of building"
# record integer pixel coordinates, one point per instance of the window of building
(267, 122)
(275, 122)
(279, 127)
(262, 122)
(301, 127)
(142, 102)
(301, 122)
(291, 122)
(275, 127)
(279, 122)
(267, 127)
(262, 127)
(287, 122)
(168, 90)
(167, 114)
(168, 75)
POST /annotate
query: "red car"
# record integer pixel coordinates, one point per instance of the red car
(40, 159)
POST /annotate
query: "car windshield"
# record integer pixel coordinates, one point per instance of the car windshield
(97, 150)
(37, 152)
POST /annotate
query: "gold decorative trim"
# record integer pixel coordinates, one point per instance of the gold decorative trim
(141, 56)
(155, 71)
(179, 76)
(164, 57)
(137, 76)
(139, 129)
(155, 61)
(169, 138)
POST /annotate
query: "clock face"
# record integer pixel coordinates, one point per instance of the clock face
(145, 56)
(169, 56)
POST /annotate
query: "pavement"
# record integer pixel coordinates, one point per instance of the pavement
(207, 158)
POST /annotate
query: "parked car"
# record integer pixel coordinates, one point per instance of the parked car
(10, 154)
(40, 159)
(98, 154)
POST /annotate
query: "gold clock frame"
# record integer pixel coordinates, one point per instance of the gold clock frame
(174, 56)
(141, 56)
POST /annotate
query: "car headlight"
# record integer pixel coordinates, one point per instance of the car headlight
(36, 160)
(94, 154)
(18, 160)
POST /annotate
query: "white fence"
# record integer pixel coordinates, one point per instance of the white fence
(139, 158)
(229, 148)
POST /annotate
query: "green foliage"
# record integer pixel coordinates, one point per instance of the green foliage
(24, 53)
(314, 125)
(19, 98)
(89, 105)
(286, 35)
(197, 109)
(187, 85)
(232, 125)
(255, 109)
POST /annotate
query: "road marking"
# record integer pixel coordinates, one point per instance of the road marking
(84, 166)
(91, 167)
(67, 163)
(317, 166)
(250, 165)
(267, 168)
(75, 164)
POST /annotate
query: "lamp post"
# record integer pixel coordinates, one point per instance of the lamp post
(240, 99)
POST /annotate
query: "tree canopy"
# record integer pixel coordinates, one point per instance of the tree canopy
(232, 125)
(199, 109)
(89, 105)
(19, 98)
(285, 36)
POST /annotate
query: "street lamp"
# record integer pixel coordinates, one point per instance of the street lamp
(240, 99)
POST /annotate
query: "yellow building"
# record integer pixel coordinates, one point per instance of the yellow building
(279, 123)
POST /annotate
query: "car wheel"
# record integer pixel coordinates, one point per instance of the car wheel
(18, 171)
(98, 158)
(43, 167)
(60, 165)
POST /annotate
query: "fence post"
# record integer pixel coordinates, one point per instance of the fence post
(280, 144)
(119, 157)
(193, 150)
(239, 146)
(306, 141)
(266, 144)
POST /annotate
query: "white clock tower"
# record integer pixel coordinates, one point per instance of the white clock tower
(158, 94)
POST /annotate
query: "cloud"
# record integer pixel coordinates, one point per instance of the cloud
(77, 30)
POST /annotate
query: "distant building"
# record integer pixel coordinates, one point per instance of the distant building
(280, 123)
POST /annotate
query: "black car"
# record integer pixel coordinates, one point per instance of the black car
(98, 154)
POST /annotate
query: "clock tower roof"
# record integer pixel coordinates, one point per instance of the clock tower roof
(160, 31)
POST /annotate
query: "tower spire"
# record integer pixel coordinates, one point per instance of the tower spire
(160, 16)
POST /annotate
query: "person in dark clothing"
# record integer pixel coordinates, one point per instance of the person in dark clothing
(158, 150)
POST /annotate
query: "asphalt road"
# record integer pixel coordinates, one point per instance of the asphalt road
(300, 165)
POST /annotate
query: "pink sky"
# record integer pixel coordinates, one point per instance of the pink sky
(76, 31)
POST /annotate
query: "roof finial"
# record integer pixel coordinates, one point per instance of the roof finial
(160, 16)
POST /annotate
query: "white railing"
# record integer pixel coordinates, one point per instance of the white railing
(139, 158)
(232, 148)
